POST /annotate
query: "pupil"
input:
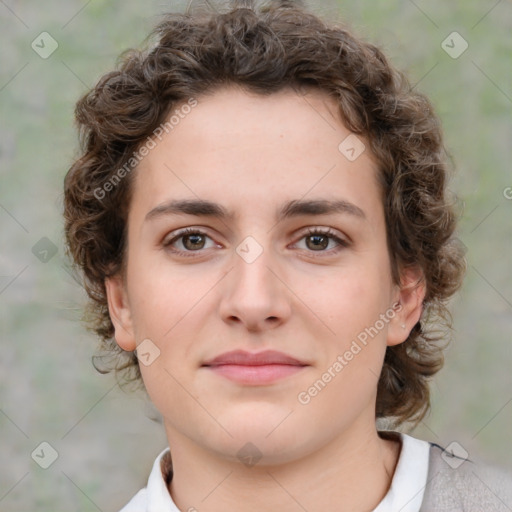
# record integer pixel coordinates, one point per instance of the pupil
(317, 237)
(194, 238)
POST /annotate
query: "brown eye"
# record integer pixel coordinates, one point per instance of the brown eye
(195, 241)
(191, 240)
(317, 240)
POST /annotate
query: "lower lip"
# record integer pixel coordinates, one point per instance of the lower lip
(255, 374)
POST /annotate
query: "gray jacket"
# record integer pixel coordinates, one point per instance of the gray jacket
(463, 485)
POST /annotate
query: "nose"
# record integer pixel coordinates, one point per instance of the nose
(255, 293)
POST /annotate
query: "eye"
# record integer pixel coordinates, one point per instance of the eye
(320, 238)
(193, 240)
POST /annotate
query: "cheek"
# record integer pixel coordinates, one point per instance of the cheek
(348, 298)
(168, 307)
(160, 297)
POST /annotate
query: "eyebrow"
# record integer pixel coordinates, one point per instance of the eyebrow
(293, 208)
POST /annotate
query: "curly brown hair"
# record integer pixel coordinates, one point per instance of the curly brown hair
(265, 48)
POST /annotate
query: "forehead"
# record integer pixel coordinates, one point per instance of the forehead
(240, 149)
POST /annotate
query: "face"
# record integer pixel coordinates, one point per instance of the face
(280, 272)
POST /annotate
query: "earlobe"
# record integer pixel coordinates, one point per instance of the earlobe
(410, 298)
(120, 313)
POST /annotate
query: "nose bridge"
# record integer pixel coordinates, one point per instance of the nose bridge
(254, 293)
(255, 258)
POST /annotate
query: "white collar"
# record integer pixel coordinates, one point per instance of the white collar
(410, 478)
(405, 493)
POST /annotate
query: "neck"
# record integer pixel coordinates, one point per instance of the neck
(355, 470)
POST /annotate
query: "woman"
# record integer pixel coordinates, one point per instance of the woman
(261, 218)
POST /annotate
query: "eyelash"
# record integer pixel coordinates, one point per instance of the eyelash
(311, 232)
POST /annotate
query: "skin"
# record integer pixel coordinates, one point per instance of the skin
(251, 154)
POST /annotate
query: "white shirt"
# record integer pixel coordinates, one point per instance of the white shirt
(405, 493)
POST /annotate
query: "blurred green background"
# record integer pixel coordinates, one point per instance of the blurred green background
(106, 440)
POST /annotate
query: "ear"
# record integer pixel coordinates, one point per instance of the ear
(410, 299)
(120, 312)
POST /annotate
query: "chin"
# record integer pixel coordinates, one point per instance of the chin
(259, 451)
(269, 434)
(260, 418)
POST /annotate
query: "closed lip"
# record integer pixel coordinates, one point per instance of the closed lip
(244, 358)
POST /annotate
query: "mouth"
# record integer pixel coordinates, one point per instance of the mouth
(255, 369)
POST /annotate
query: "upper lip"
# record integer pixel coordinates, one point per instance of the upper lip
(242, 357)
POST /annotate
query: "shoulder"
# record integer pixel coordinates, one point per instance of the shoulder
(455, 483)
